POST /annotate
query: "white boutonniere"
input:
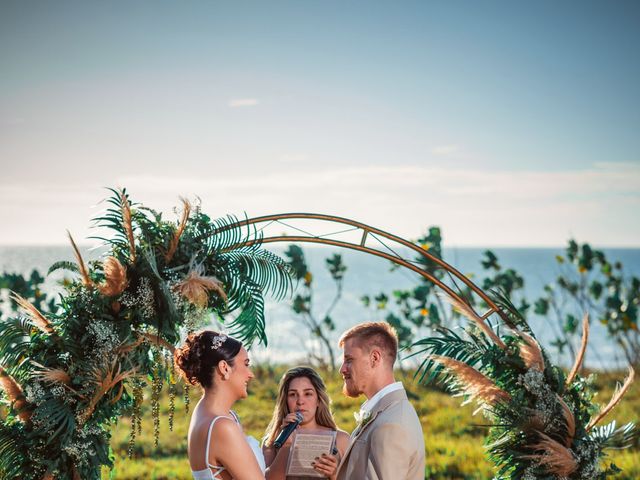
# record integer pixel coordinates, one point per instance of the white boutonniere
(362, 417)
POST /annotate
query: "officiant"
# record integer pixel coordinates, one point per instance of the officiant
(303, 399)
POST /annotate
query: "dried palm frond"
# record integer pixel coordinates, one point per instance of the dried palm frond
(36, 317)
(115, 278)
(52, 375)
(471, 382)
(127, 347)
(154, 339)
(75, 474)
(128, 226)
(55, 375)
(617, 396)
(15, 395)
(467, 311)
(173, 246)
(569, 420)
(533, 421)
(84, 273)
(583, 348)
(195, 288)
(555, 457)
(105, 380)
(530, 352)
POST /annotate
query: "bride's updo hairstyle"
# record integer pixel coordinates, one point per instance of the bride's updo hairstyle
(200, 354)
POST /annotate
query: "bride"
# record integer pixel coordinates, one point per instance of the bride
(217, 446)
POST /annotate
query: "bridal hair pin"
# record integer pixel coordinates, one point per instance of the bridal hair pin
(217, 341)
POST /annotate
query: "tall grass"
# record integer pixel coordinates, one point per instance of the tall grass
(453, 437)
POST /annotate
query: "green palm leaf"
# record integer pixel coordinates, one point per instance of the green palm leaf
(200, 249)
(608, 436)
(451, 345)
(225, 234)
(248, 273)
(11, 455)
(57, 414)
(517, 320)
(15, 345)
(63, 265)
(266, 269)
(250, 324)
(112, 219)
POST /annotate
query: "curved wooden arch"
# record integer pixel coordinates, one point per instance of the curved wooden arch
(367, 232)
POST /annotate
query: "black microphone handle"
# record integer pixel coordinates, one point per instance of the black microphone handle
(287, 431)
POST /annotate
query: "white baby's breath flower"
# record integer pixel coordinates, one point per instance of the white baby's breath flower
(105, 338)
(35, 393)
(143, 299)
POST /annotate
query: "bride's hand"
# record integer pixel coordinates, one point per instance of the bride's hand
(326, 464)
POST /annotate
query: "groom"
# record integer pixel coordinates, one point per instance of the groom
(387, 444)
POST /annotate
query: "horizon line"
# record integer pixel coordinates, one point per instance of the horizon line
(314, 246)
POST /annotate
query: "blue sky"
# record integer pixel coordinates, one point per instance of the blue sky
(506, 123)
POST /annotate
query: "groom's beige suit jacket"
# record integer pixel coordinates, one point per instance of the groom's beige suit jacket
(389, 446)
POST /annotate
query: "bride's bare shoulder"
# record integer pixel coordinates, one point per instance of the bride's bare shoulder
(225, 426)
(199, 428)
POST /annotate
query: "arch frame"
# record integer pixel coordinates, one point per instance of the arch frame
(367, 232)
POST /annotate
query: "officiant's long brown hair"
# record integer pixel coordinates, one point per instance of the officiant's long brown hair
(324, 417)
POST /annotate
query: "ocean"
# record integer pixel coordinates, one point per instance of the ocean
(290, 341)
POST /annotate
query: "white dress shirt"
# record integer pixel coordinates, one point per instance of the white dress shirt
(370, 403)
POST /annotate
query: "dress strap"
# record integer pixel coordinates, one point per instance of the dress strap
(235, 416)
(206, 453)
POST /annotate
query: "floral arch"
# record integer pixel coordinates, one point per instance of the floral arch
(66, 375)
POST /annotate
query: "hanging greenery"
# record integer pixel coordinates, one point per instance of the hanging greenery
(66, 376)
(542, 423)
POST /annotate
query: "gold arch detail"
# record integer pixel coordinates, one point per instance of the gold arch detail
(366, 234)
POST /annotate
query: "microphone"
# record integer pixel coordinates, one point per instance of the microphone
(287, 431)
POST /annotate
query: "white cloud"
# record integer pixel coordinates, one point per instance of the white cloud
(474, 207)
(243, 102)
(444, 150)
(617, 165)
(294, 158)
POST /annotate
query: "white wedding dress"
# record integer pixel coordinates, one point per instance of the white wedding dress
(213, 471)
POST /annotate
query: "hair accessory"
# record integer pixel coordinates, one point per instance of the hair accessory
(217, 341)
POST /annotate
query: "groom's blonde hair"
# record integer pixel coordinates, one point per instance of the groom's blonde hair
(373, 334)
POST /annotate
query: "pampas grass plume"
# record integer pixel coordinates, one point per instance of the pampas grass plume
(128, 225)
(173, 245)
(468, 312)
(617, 396)
(36, 317)
(195, 288)
(115, 278)
(555, 457)
(530, 352)
(583, 348)
(15, 395)
(473, 383)
(81, 265)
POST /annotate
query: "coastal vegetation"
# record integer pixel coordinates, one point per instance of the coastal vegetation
(453, 436)
(155, 283)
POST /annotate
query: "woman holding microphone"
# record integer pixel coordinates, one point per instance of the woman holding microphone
(302, 400)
